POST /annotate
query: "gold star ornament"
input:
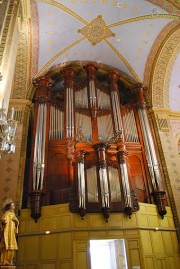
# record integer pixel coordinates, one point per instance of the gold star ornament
(96, 31)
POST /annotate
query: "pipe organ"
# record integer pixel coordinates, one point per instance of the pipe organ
(92, 146)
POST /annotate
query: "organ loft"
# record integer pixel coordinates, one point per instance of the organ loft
(92, 145)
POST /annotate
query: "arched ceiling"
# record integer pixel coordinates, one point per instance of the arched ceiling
(117, 33)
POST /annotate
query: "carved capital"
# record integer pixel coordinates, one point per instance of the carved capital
(43, 81)
(91, 71)
(122, 154)
(79, 155)
(69, 77)
(101, 146)
(138, 92)
(113, 79)
(43, 85)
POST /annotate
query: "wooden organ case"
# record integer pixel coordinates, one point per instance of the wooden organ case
(92, 145)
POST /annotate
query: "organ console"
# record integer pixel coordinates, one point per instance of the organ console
(92, 144)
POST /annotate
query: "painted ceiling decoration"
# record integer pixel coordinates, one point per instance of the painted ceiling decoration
(96, 31)
(120, 33)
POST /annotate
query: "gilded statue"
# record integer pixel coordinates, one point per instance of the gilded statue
(8, 231)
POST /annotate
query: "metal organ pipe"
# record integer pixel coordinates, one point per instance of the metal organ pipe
(101, 148)
(56, 130)
(69, 73)
(153, 153)
(104, 187)
(92, 93)
(150, 151)
(81, 185)
(125, 183)
(114, 111)
(39, 148)
(81, 180)
(130, 127)
(115, 102)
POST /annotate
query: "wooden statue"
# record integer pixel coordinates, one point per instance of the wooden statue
(9, 228)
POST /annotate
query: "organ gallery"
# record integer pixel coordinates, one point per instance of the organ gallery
(92, 145)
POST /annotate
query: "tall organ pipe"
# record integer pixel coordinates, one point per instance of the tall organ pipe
(147, 150)
(121, 157)
(69, 76)
(125, 184)
(156, 178)
(39, 149)
(103, 177)
(113, 78)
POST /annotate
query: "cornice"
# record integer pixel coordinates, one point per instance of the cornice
(168, 113)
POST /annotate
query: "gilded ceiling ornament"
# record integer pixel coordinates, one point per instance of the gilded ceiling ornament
(96, 31)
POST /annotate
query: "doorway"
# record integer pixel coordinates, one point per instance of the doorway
(108, 254)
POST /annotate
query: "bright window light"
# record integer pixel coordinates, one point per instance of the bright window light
(108, 254)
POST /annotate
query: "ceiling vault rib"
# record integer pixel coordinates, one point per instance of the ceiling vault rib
(123, 60)
(145, 17)
(44, 68)
(65, 9)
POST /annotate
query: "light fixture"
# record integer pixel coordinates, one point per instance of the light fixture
(7, 131)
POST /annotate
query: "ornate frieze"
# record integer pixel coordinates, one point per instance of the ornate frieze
(21, 74)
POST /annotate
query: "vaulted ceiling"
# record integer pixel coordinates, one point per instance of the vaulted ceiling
(120, 34)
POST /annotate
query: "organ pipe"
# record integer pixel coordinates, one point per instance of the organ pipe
(90, 69)
(101, 150)
(153, 166)
(69, 77)
(113, 78)
(147, 150)
(38, 172)
(121, 156)
(148, 141)
(80, 154)
(130, 127)
(56, 130)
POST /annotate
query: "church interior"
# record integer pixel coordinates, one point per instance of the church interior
(90, 132)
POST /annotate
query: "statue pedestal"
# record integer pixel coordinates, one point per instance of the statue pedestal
(7, 267)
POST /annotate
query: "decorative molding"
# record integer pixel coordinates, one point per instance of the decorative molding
(26, 9)
(167, 113)
(35, 38)
(21, 76)
(25, 111)
(145, 17)
(163, 124)
(172, 6)
(151, 61)
(5, 29)
(162, 65)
